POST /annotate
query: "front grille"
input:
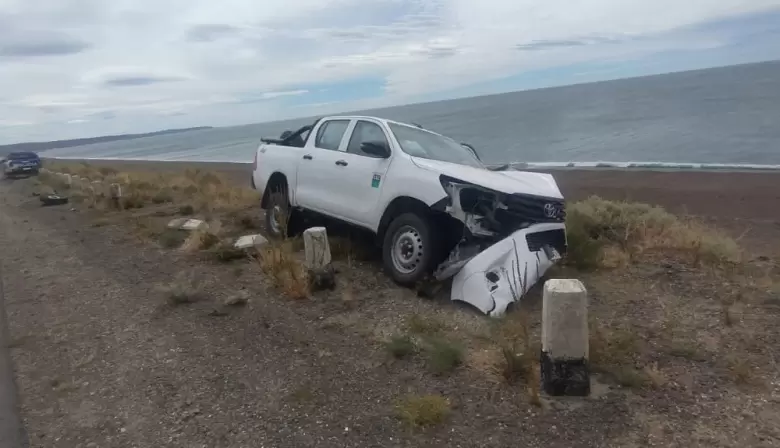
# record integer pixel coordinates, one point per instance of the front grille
(555, 238)
(523, 211)
(535, 208)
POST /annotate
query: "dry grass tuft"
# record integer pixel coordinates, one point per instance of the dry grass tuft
(172, 238)
(185, 288)
(425, 410)
(614, 351)
(200, 240)
(742, 371)
(225, 251)
(400, 346)
(279, 263)
(628, 376)
(655, 376)
(633, 229)
(199, 189)
(686, 350)
(420, 325)
(611, 346)
(163, 196)
(444, 356)
(54, 183)
(520, 355)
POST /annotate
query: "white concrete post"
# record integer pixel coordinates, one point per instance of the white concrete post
(115, 191)
(98, 188)
(115, 195)
(318, 258)
(564, 357)
(68, 180)
(316, 248)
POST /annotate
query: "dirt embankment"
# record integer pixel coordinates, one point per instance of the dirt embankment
(685, 353)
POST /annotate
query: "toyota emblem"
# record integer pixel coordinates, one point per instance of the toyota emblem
(550, 210)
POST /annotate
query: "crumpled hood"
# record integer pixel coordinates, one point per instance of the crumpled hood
(510, 181)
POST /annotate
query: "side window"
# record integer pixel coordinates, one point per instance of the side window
(330, 133)
(365, 131)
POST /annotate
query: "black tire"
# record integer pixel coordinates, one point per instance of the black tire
(278, 203)
(416, 230)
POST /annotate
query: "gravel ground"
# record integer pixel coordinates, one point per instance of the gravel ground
(102, 361)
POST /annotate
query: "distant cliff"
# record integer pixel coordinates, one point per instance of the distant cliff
(42, 146)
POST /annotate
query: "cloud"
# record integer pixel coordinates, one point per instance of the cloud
(148, 64)
(248, 98)
(14, 123)
(210, 32)
(125, 81)
(39, 44)
(131, 77)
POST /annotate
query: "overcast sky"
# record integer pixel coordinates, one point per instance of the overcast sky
(73, 68)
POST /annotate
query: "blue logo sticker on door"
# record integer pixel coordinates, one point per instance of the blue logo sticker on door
(375, 180)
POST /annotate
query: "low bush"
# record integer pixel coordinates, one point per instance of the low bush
(182, 290)
(400, 346)
(444, 356)
(425, 410)
(634, 228)
(172, 238)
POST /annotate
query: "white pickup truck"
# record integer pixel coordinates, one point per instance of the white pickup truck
(433, 205)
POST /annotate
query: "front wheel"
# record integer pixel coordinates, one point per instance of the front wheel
(408, 249)
(277, 215)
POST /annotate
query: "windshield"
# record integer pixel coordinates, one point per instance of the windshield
(421, 143)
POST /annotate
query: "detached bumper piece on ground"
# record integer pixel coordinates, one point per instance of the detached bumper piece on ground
(53, 199)
(497, 277)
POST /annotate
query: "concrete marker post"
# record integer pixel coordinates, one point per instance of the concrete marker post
(115, 193)
(318, 258)
(564, 357)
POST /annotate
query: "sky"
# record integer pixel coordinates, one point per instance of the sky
(79, 68)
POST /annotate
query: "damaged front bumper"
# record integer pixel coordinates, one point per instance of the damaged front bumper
(500, 275)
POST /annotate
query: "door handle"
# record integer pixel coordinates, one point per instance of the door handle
(341, 163)
(307, 157)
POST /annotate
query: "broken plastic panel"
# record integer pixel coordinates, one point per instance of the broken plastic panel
(504, 272)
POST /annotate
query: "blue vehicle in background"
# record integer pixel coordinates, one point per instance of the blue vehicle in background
(21, 163)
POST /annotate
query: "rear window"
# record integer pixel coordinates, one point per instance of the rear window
(22, 155)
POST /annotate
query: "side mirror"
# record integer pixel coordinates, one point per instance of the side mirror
(378, 149)
(471, 148)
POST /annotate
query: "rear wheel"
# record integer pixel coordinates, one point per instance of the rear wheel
(409, 248)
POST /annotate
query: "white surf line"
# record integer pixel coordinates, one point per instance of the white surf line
(677, 166)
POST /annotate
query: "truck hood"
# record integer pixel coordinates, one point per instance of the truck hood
(510, 182)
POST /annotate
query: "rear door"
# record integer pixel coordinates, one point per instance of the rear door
(317, 169)
(360, 175)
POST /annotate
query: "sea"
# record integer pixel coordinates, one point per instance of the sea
(719, 117)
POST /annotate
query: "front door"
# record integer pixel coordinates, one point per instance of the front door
(361, 176)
